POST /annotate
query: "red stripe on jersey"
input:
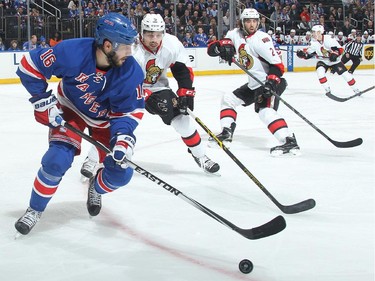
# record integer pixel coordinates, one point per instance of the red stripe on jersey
(43, 189)
(193, 140)
(191, 74)
(25, 64)
(228, 112)
(281, 67)
(101, 183)
(323, 80)
(277, 125)
(351, 82)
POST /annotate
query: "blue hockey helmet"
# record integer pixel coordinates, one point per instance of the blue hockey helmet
(116, 28)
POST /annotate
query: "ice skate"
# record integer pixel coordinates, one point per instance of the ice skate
(290, 147)
(207, 164)
(27, 221)
(94, 199)
(88, 169)
(225, 136)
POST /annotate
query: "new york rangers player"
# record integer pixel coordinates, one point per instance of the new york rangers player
(255, 50)
(328, 52)
(100, 89)
(156, 52)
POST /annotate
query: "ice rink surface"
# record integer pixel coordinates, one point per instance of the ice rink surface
(146, 233)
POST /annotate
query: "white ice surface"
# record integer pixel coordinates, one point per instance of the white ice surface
(147, 233)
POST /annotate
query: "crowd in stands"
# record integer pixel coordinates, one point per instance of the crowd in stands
(195, 22)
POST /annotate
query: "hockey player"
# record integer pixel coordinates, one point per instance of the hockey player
(100, 89)
(292, 38)
(305, 40)
(327, 51)
(256, 52)
(341, 38)
(156, 52)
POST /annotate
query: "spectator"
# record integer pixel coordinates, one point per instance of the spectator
(263, 26)
(294, 16)
(369, 27)
(204, 18)
(14, 46)
(331, 24)
(305, 13)
(73, 11)
(340, 16)
(56, 39)
(2, 46)
(184, 20)
(200, 39)
(320, 10)
(346, 29)
(31, 44)
(190, 27)
(314, 20)
(303, 26)
(43, 43)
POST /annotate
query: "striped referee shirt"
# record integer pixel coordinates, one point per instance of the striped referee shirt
(354, 48)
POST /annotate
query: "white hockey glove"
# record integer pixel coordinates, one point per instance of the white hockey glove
(46, 109)
(123, 150)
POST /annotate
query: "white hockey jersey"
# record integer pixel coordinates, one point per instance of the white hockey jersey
(255, 52)
(323, 48)
(155, 65)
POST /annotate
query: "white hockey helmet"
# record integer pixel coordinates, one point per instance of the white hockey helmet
(152, 22)
(318, 28)
(292, 31)
(340, 33)
(270, 32)
(308, 33)
(249, 13)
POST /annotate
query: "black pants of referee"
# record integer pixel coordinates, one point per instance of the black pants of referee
(355, 59)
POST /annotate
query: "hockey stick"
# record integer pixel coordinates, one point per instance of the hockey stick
(340, 144)
(287, 209)
(350, 97)
(270, 228)
(315, 56)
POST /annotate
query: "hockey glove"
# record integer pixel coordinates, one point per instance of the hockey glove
(301, 54)
(270, 86)
(223, 48)
(185, 100)
(333, 56)
(123, 149)
(46, 109)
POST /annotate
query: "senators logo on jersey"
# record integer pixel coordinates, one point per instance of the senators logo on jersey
(153, 72)
(324, 52)
(244, 58)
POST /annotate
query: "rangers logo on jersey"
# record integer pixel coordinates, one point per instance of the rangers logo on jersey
(244, 58)
(153, 72)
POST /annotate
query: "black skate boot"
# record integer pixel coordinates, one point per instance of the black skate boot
(27, 221)
(207, 164)
(94, 199)
(226, 135)
(289, 147)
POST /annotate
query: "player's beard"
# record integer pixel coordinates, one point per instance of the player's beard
(113, 59)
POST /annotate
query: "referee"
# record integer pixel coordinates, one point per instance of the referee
(353, 52)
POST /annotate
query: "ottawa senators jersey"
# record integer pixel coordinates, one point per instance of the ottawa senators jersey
(256, 52)
(155, 65)
(323, 48)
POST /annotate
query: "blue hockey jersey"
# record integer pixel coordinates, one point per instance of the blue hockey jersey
(113, 98)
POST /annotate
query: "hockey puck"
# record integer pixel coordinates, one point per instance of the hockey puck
(246, 266)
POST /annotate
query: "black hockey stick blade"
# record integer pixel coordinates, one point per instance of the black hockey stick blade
(270, 228)
(339, 99)
(347, 144)
(298, 207)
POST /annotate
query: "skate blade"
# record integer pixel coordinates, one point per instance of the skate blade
(17, 235)
(216, 174)
(291, 153)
